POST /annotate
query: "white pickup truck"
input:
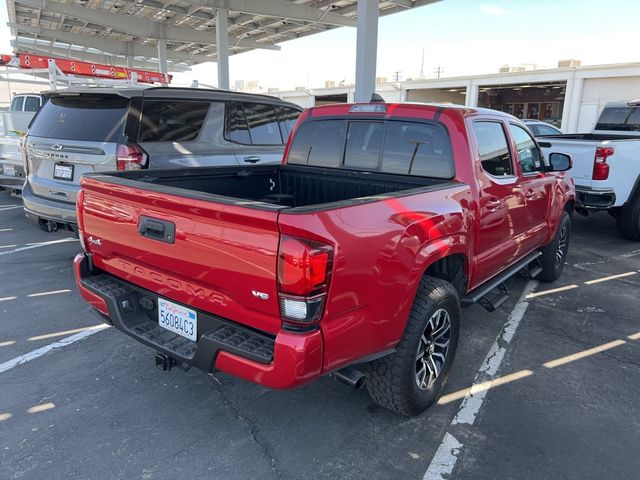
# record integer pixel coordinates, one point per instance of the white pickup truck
(606, 165)
(13, 126)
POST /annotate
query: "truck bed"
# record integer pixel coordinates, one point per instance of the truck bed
(273, 187)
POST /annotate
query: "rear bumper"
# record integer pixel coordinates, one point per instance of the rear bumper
(15, 181)
(289, 360)
(591, 199)
(37, 208)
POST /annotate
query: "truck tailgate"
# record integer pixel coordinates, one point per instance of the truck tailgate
(582, 154)
(221, 259)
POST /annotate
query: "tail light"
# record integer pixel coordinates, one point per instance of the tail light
(130, 157)
(600, 165)
(304, 271)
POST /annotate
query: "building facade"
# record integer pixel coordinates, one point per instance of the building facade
(569, 97)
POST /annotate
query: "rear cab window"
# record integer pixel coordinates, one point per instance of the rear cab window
(384, 146)
(66, 117)
(619, 118)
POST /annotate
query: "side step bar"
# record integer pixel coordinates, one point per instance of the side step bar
(492, 302)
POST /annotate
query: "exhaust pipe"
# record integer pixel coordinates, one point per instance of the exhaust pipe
(351, 376)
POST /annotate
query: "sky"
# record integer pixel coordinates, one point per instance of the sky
(462, 37)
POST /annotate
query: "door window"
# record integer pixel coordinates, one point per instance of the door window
(253, 124)
(528, 152)
(16, 104)
(545, 130)
(237, 126)
(172, 121)
(32, 104)
(493, 149)
(287, 118)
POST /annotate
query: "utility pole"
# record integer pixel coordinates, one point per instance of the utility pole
(396, 76)
(422, 65)
(438, 71)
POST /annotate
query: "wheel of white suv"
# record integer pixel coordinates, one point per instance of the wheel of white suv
(412, 378)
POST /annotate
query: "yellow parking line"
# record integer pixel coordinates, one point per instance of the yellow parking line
(65, 332)
(53, 292)
(612, 277)
(549, 292)
(41, 408)
(584, 353)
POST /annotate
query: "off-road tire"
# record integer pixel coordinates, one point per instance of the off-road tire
(629, 219)
(391, 380)
(552, 266)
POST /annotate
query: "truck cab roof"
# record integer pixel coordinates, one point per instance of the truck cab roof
(402, 109)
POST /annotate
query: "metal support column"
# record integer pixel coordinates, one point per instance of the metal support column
(162, 48)
(471, 96)
(222, 48)
(366, 49)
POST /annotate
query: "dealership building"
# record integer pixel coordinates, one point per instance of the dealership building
(570, 96)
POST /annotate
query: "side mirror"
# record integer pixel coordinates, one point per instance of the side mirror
(559, 162)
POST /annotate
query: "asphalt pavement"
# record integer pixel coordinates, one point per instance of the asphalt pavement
(98, 408)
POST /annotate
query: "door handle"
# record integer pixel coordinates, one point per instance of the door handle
(157, 229)
(493, 204)
(252, 159)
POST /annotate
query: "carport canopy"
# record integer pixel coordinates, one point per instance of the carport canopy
(171, 35)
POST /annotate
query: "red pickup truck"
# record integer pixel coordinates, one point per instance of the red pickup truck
(352, 258)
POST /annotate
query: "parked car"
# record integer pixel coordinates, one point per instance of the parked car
(540, 128)
(605, 165)
(103, 129)
(13, 126)
(352, 257)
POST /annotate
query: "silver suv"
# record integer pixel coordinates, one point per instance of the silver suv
(93, 130)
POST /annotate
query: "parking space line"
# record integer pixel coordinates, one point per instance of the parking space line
(38, 245)
(7, 207)
(27, 357)
(582, 354)
(63, 333)
(446, 456)
(6, 229)
(52, 292)
(553, 290)
(4, 299)
(611, 277)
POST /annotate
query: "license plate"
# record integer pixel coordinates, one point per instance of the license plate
(63, 172)
(9, 170)
(178, 319)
